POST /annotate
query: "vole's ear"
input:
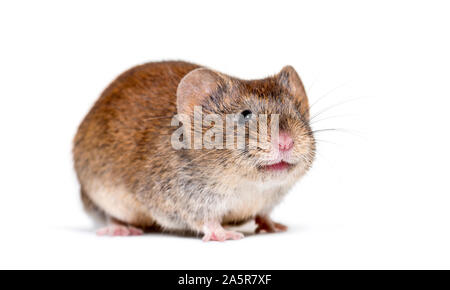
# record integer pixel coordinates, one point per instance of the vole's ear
(289, 79)
(194, 88)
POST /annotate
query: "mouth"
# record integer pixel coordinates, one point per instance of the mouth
(276, 167)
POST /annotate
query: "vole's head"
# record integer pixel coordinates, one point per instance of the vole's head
(258, 128)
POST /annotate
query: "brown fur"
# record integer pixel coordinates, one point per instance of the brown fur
(128, 169)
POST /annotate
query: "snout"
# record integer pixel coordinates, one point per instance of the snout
(285, 142)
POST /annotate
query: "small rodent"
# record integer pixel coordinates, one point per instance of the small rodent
(130, 173)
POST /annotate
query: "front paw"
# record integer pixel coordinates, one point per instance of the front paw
(215, 232)
(119, 230)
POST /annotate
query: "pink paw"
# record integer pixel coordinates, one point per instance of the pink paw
(222, 235)
(215, 232)
(119, 230)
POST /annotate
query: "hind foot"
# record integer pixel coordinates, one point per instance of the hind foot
(265, 224)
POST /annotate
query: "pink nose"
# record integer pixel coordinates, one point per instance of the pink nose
(285, 142)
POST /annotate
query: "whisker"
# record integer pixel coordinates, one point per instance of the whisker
(341, 130)
(332, 117)
(324, 130)
(158, 117)
(327, 94)
(333, 106)
(324, 141)
(198, 157)
(312, 84)
(329, 163)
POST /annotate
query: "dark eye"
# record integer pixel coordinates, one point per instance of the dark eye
(246, 115)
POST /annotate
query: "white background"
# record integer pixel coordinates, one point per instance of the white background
(377, 197)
